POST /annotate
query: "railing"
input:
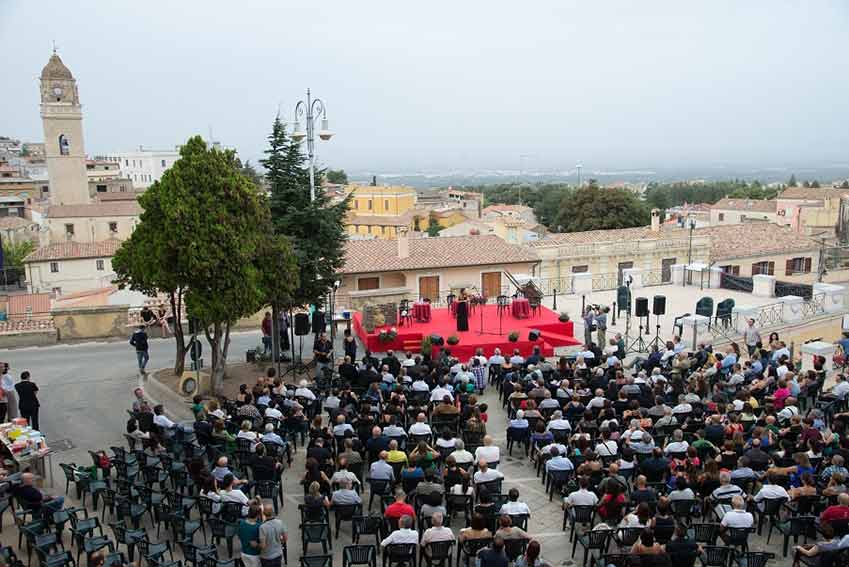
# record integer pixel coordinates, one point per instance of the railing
(737, 283)
(602, 282)
(548, 286)
(766, 316)
(654, 277)
(783, 289)
(26, 325)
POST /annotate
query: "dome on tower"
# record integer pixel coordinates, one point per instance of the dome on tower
(55, 69)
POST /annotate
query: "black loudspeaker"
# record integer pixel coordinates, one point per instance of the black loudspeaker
(302, 324)
(533, 335)
(436, 340)
(641, 306)
(659, 305)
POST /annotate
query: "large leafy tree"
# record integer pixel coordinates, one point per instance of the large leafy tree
(594, 208)
(315, 229)
(14, 252)
(337, 176)
(199, 238)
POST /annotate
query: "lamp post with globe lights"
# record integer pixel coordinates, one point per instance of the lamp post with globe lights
(310, 109)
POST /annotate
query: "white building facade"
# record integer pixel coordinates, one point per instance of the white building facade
(144, 167)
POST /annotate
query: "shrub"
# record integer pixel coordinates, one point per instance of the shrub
(513, 336)
(453, 340)
(564, 317)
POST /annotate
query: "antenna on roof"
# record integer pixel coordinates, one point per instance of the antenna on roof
(54, 47)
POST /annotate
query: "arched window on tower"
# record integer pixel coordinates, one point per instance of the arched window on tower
(64, 146)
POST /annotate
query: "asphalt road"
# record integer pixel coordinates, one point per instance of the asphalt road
(85, 389)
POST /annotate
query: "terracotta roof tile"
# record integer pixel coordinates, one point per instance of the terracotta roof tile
(812, 193)
(119, 196)
(111, 209)
(610, 235)
(758, 205)
(749, 240)
(74, 250)
(381, 220)
(33, 303)
(364, 256)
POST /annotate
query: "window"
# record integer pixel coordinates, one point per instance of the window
(383, 230)
(721, 217)
(101, 188)
(64, 145)
(386, 204)
(798, 266)
(127, 162)
(369, 204)
(54, 267)
(57, 291)
(99, 265)
(163, 163)
(356, 204)
(368, 283)
(582, 269)
(69, 229)
(763, 268)
(113, 227)
(730, 270)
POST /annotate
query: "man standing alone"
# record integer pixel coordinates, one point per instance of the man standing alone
(139, 340)
(752, 336)
(28, 400)
(272, 536)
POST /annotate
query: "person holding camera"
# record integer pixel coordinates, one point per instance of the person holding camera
(589, 318)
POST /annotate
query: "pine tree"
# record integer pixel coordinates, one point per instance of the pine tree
(793, 182)
(316, 229)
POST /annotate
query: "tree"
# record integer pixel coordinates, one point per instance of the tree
(433, 227)
(792, 182)
(815, 184)
(197, 239)
(248, 170)
(337, 176)
(316, 229)
(845, 184)
(278, 270)
(14, 252)
(593, 208)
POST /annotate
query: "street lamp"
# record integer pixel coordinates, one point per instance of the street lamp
(691, 222)
(310, 109)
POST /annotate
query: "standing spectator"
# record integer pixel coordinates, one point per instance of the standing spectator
(322, 350)
(162, 319)
(266, 332)
(249, 537)
(139, 340)
(28, 399)
(9, 406)
(350, 345)
(601, 326)
(589, 317)
(752, 336)
(479, 373)
(272, 536)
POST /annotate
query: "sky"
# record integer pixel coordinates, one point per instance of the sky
(435, 86)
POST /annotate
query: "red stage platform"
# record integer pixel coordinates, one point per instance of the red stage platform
(553, 333)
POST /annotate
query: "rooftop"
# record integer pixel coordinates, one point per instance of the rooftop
(812, 193)
(383, 190)
(111, 209)
(757, 205)
(754, 239)
(365, 256)
(609, 235)
(74, 251)
(119, 196)
(11, 223)
(381, 220)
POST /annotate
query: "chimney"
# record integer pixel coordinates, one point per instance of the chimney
(655, 220)
(403, 243)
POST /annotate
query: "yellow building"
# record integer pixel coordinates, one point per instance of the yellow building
(388, 201)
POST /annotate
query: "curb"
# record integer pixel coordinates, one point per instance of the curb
(176, 405)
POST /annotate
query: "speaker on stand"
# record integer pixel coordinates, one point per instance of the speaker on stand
(658, 309)
(300, 328)
(641, 310)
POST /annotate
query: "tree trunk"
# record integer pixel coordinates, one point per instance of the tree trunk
(275, 337)
(219, 342)
(176, 309)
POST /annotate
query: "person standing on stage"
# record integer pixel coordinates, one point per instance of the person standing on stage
(463, 311)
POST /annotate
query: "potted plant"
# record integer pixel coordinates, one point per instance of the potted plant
(387, 335)
(513, 336)
(427, 346)
(453, 340)
(564, 317)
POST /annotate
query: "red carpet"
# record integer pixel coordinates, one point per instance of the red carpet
(553, 333)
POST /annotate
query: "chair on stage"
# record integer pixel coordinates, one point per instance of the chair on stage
(503, 303)
(405, 313)
(535, 304)
(449, 300)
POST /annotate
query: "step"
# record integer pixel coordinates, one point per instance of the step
(563, 340)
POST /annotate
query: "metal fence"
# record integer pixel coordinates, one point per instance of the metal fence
(550, 286)
(603, 282)
(737, 283)
(767, 316)
(783, 289)
(654, 277)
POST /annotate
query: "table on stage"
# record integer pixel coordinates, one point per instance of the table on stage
(520, 308)
(421, 311)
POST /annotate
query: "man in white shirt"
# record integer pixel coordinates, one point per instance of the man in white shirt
(682, 407)
(788, 411)
(464, 376)
(440, 392)
(403, 534)
(558, 461)
(737, 517)
(437, 532)
(598, 401)
(547, 449)
(488, 452)
(548, 402)
(408, 361)
(677, 445)
(513, 506)
(341, 427)
(517, 359)
(303, 392)
(486, 474)
(770, 492)
(420, 385)
(420, 427)
(332, 401)
(230, 494)
(840, 388)
(162, 421)
(557, 423)
(272, 411)
(343, 474)
(496, 359)
(461, 456)
(581, 497)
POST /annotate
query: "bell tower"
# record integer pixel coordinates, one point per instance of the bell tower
(62, 118)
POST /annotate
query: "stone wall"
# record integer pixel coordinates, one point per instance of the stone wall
(80, 323)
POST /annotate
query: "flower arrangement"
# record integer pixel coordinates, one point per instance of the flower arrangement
(513, 336)
(453, 340)
(564, 317)
(387, 336)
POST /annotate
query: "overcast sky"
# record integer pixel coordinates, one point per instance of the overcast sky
(441, 85)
